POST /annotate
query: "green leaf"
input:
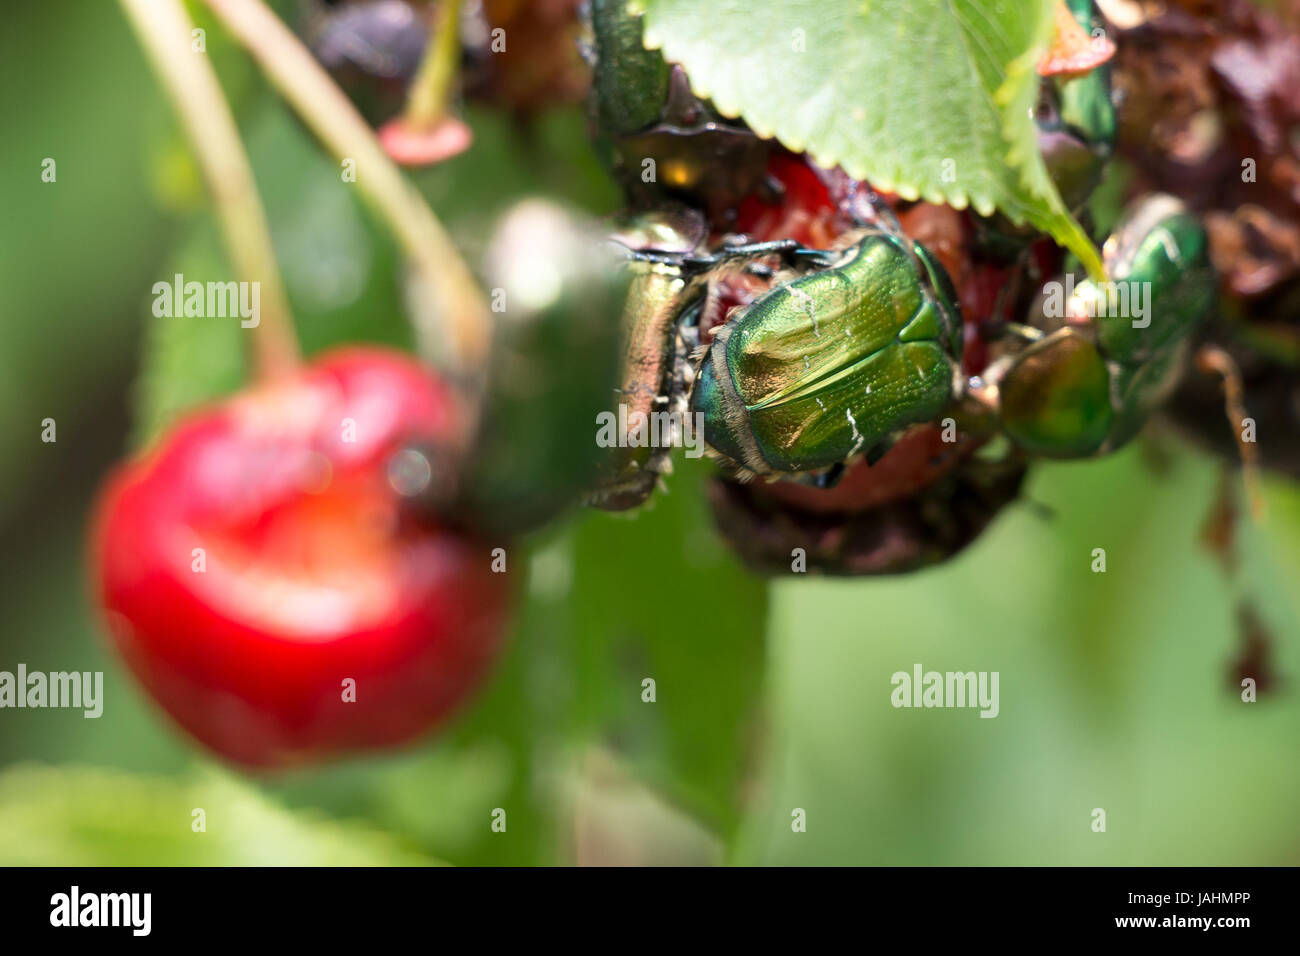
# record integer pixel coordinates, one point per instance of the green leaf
(927, 98)
(657, 595)
(83, 816)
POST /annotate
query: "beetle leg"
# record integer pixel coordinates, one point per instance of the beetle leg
(788, 249)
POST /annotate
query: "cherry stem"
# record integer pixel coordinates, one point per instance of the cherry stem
(426, 104)
(166, 33)
(450, 313)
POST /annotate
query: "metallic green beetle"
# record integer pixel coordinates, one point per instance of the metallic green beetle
(832, 363)
(630, 472)
(849, 347)
(1094, 367)
(1087, 387)
(670, 277)
(846, 348)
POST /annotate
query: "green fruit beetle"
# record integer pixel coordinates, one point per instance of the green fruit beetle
(1087, 387)
(832, 363)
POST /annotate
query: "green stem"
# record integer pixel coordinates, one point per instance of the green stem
(166, 33)
(450, 312)
(431, 90)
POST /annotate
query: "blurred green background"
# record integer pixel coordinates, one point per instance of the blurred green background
(1116, 688)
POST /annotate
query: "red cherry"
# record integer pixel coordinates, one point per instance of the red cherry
(310, 572)
(804, 211)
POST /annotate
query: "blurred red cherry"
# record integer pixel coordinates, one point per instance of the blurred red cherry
(265, 584)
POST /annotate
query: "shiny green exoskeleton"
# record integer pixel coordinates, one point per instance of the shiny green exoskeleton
(832, 363)
(630, 471)
(1087, 387)
(847, 348)
(1102, 355)
(668, 276)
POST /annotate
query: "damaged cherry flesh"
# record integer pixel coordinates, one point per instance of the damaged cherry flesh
(264, 582)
